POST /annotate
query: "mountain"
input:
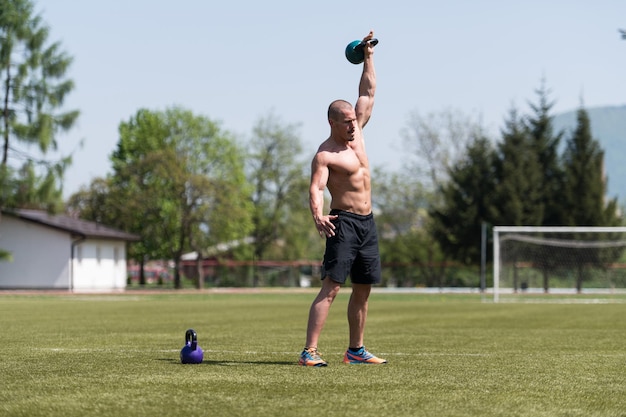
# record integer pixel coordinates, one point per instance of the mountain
(608, 126)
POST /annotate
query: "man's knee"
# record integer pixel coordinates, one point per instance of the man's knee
(361, 292)
(330, 288)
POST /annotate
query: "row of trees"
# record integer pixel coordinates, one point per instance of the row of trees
(184, 184)
(531, 176)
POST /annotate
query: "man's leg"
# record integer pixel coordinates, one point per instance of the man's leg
(357, 313)
(319, 311)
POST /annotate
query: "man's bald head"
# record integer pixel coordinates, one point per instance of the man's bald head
(337, 109)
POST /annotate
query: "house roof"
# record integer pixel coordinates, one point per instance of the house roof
(69, 224)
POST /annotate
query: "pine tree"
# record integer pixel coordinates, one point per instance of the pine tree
(466, 201)
(584, 195)
(518, 176)
(546, 145)
(585, 183)
(33, 86)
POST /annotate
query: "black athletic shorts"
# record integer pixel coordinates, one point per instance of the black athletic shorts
(353, 250)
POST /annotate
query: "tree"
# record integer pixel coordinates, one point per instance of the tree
(545, 143)
(436, 142)
(178, 182)
(466, 202)
(29, 190)
(34, 87)
(438, 145)
(585, 191)
(518, 194)
(406, 246)
(584, 179)
(92, 202)
(279, 190)
(519, 197)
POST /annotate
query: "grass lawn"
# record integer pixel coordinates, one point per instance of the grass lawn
(449, 355)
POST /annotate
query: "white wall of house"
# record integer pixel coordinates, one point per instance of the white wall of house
(99, 265)
(42, 259)
(41, 255)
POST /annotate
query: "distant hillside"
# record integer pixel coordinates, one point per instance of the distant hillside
(608, 126)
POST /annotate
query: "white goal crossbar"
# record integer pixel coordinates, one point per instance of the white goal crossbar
(498, 230)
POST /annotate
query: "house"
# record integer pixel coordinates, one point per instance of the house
(61, 252)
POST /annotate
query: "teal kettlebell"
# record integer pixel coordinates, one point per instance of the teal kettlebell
(354, 50)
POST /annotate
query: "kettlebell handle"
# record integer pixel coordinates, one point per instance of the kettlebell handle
(372, 42)
(191, 338)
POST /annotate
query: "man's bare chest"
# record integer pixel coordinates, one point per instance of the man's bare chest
(349, 161)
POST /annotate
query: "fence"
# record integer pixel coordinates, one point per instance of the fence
(231, 273)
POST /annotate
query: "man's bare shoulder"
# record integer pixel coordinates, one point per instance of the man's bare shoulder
(325, 146)
(329, 146)
(320, 158)
(324, 150)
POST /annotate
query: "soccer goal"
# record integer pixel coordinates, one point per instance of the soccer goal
(537, 259)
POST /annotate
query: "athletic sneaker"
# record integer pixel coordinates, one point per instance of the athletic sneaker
(311, 357)
(361, 356)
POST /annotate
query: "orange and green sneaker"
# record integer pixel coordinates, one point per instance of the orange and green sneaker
(311, 357)
(361, 356)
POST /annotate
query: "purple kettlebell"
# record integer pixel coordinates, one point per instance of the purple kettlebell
(191, 352)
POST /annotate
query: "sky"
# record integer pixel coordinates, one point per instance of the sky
(237, 62)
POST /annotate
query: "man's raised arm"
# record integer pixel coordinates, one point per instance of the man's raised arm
(367, 84)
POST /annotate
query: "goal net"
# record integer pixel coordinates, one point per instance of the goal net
(558, 259)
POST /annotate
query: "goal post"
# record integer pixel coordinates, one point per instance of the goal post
(545, 258)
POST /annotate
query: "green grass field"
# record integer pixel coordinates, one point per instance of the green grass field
(449, 355)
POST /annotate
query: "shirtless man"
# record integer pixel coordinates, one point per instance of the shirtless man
(351, 240)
